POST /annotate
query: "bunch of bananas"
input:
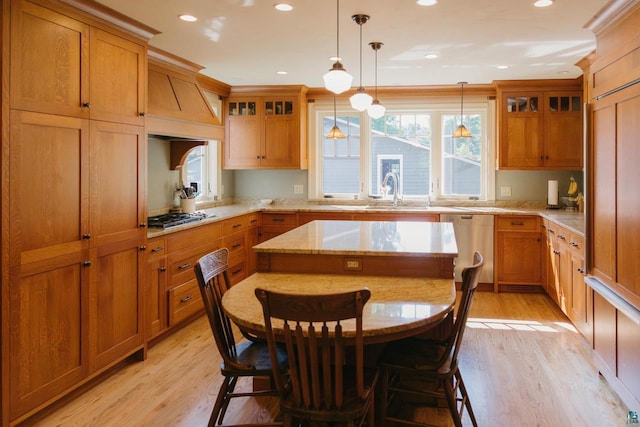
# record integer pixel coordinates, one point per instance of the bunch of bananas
(573, 187)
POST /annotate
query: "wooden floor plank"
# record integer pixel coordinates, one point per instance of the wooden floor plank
(522, 361)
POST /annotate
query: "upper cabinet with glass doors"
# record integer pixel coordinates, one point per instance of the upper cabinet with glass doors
(540, 125)
(266, 128)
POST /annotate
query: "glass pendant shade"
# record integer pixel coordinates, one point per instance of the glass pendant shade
(335, 133)
(337, 80)
(361, 100)
(376, 110)
(461, 132)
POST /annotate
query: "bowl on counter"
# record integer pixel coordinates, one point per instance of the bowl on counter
(265, 202)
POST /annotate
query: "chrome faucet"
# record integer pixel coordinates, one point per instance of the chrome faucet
(383, 186)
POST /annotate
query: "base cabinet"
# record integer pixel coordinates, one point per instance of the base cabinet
(518, 247)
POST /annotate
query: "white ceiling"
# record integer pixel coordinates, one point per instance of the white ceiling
(243, 42)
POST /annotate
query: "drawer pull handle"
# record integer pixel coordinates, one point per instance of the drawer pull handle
(183, 266)
(517, 223)
(237, 245)
(253, 221)
(560, 236)
(157, 249)
(574, 244)
(237, 225)
(234, 272)
(551, 231)
(187, 298)
(277, 219)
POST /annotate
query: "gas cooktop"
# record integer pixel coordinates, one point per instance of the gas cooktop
(172, 219)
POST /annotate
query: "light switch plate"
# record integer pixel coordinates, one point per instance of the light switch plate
(298, 189)
(505, 191)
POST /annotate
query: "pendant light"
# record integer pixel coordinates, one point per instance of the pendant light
(337, 80)
(461, 131)
(335, 132)
(360, 100)
(376, 110)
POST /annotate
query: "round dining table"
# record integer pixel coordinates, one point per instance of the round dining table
(399, 307)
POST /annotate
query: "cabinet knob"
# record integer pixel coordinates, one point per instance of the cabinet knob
(557, 252)
(257, 157)
(143, 224)
(141, 114)
(143, 248)
(86, 263)
(86, 236)
(582, 270)
(86, 105)
(163, 268)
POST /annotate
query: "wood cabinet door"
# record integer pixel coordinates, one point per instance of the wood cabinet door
(48, 329)
(603, 179)
(519, 259)
(48, 201)
(116, 302)
(117, 181)
(563, 131)
(281, 145)
(49, 56)
(627, 196)
(242, 145)
(521, 131)
(117, 78)
(155, 297)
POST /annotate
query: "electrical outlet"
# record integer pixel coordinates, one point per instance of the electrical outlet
(505, 191)
(298, 189)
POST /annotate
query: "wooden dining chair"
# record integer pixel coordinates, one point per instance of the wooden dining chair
(247, 358)
(424, 372)
(323, 386)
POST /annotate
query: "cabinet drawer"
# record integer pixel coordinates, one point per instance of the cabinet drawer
(272, 218)
(237, 270)
(234, 225)
(517, 223)
(235, 243)
(200, 235)
(576, 242)
(156, 248)
(252, 219)
(181, 264)
(184, 300)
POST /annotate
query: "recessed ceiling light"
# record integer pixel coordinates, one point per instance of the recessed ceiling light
(563, 72)
(543, 3)
(502, 67)
(281, 72)
(188, 18)
(426, 2)
(431, 55)
(283, 7)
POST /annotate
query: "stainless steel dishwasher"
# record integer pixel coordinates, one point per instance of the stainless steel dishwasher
(473, 233)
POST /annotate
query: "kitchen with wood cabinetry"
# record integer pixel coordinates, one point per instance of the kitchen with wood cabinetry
(92, 290)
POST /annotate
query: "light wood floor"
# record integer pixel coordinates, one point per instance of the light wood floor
(522, 361)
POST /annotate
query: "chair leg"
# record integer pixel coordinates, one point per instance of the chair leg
(228, 396)
(451, 400)
(222, 401)
(465, 396)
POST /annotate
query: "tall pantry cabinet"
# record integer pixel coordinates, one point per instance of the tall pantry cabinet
(613, 201)
(73, 197)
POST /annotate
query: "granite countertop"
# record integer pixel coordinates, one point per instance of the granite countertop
(398, 305)
(391, 238)
(570, 219)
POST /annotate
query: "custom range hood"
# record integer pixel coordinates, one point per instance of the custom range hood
(178, 104)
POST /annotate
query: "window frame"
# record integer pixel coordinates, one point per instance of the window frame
(212, 171)
(436, 108)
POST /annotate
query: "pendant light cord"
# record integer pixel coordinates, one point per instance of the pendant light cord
(376, 73)
(337, 30)
(360, 54)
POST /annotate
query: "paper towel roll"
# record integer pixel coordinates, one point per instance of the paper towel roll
(552, 195)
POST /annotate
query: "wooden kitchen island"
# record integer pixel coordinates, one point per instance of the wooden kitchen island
(375, 248)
